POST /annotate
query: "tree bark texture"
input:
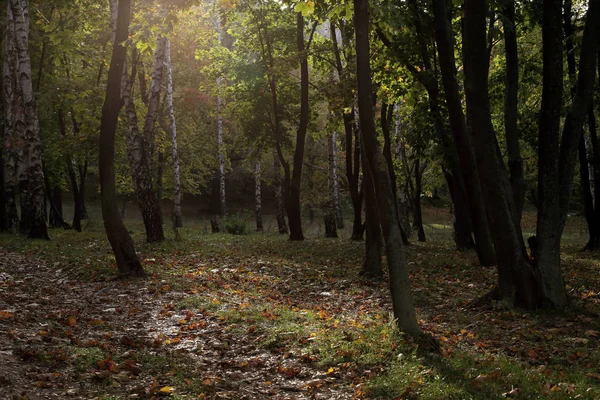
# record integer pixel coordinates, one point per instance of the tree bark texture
(293, 206)
(330, 214)
(373, 240)
(339, 219)
(515, 162)
(10, 140)
(258, 197)
(139, 145)
(120, 240)
(27, 129)
(352, 152)
(176, 216)
(462, 140)
(516, 279)
(403, 307)
(557, 189)
(279, 200)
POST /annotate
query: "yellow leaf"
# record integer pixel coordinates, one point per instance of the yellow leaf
(167, 389)
(72, 321)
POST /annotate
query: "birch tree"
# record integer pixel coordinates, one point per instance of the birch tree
(176, 216)
(27, 130)
(139, 145)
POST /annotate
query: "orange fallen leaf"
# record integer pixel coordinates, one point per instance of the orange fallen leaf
(6, 315)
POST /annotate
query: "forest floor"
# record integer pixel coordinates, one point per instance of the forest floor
(256, 316)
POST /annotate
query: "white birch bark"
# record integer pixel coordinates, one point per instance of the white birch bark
(10, 156)
(258, 197)
(31, 176)
(177, 220)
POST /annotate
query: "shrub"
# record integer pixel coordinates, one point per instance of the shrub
(236, 224)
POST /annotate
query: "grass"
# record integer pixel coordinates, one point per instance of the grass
(306, 299)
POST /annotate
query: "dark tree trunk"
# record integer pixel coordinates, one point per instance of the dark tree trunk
(330, 225)
(352, 152)
(9, 153)
(516, 279)
(595, 239)
(586, 192)
(590, 211)
(460, 212)
(418, 216)
(120, 240)
(462, 140)
(293, 207)
(74, 182)
(373, 242)
(515, 162)
(386, 118)
(279, 201)
(555, 191)
(548, 233)
(404, 310)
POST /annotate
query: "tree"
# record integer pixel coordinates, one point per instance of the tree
(517, 283)
(26, 127)
(140, 145)
(557, 153)
(9, 135)
(466, 154)
(176, 216)
(118, 236)
(404, 310)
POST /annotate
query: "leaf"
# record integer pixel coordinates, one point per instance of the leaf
(167, 389)
(71, 321)
(6, 315)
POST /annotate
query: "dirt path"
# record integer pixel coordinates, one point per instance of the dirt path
(61, 337)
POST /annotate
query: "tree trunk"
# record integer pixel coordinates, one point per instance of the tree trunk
(558, 189)
(279, 201)
(293, 206)
(460, 213)
(176, 216)
(386, 120)
(462, 140)
(418, 221)
(120, 240)
(258, 198)
(222, 198)
(31, 176)
(586, 192)
(404, 310)
(221, 146)
(373, 241)
(336, 184)
(515, 162)
(516, 280)
(595, 165)
(10, 139)
(352, 152)
(548, 234)
(139, 146)
(329, 217)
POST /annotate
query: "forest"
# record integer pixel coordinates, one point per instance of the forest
(300, 199)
